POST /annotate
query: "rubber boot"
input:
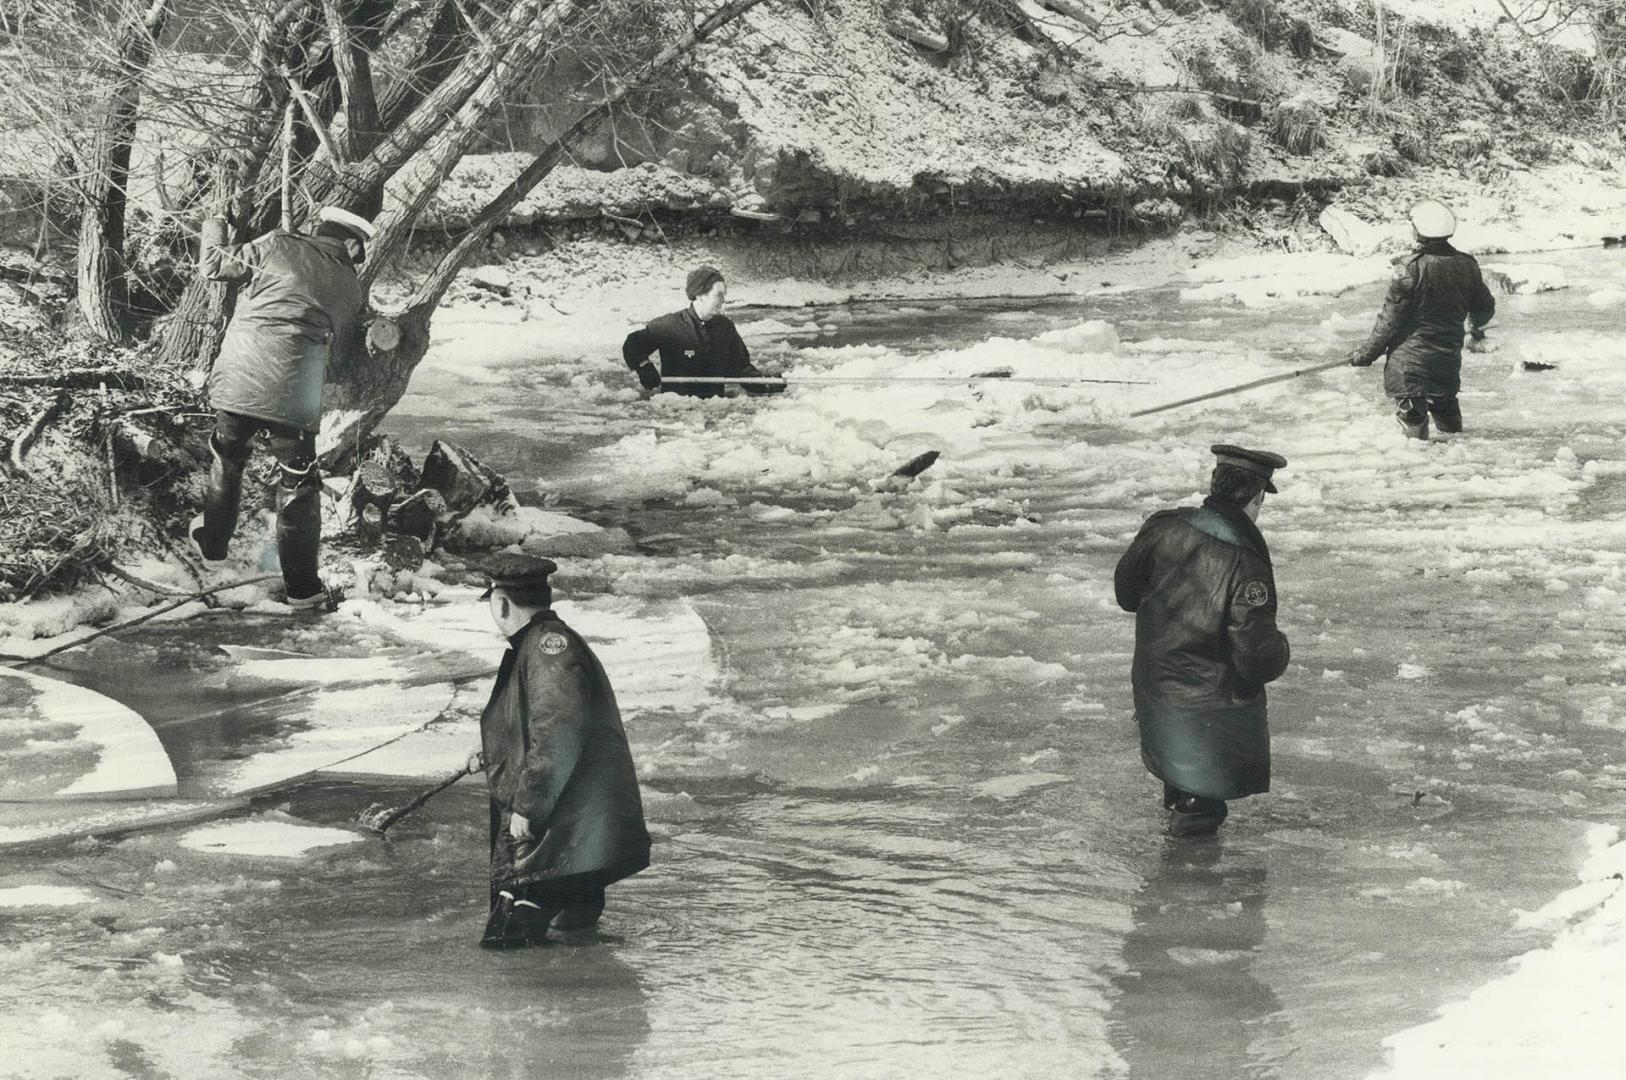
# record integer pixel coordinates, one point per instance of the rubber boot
(583, 915)
(299, 534)
(1414, 431)
(213, 534)
(514, 924)
(503, 930)
(1194, 815)
(1447, 414)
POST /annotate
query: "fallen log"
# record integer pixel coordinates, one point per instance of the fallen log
(80, 379)
(1074, 10)
(930, 40)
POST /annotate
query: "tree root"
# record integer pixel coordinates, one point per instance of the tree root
(31, 434)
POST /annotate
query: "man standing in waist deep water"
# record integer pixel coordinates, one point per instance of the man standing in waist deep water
(699, 340)
(1419, 329)
(566, 815)
(1200, 583)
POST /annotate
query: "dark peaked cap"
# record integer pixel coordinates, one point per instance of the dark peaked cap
(522, 577)
(1259, 462)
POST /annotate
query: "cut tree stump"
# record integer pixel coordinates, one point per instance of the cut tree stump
(418, 515)
(461, 478)
(372, 490)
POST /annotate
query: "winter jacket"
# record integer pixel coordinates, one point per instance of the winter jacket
(1200, 584)
(688, 346)
(300, 301)
(1420, 327)
(555, 751)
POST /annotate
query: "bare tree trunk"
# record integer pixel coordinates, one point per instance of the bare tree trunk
(104, 291)
(353, 29)
(359, 180)
(194, 331)
(429, 169)
(443, 49)
(365, 392)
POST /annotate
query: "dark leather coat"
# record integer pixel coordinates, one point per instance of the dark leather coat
(299, 302)
(689, 347)
(1200, 584)
(1419, 329)
(556, 752)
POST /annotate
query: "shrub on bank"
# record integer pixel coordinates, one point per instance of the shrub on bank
(1297, 126)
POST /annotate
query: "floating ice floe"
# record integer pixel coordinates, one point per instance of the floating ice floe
(27, 896)
(73, 743)
(1009, 787)
(265, 838)
(1527, 278)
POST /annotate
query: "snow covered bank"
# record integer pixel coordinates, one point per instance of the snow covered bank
(1560, 1012)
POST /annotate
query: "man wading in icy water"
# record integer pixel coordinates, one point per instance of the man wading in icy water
(1419, 329)
(299, 302)
(1200, 584)
(699, 340)
(566, 816)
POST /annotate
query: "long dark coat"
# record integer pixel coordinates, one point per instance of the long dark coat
(556, 752)
(1420, 327)
(300, 301)
(688, 346)
(1199, 581)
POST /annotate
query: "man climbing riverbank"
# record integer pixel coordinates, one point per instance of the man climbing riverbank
(299, 302)
(697, 341)
(1419, 329)
(1200, 583)
(566, 815)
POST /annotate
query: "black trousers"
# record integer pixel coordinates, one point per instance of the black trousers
(299, 496)
(1414, 413)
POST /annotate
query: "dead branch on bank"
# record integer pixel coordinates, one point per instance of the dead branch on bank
(81, 379)
(25, 442)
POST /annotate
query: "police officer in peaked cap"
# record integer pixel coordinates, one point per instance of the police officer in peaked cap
(1200, 583)
(566, 816)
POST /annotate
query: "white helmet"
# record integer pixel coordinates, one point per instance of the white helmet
(358, 225)
(1433, 220)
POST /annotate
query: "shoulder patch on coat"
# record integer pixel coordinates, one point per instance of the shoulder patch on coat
(553, 643)
(1257, 594)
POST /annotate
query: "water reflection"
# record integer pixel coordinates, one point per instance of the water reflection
(567, 1010)
(1190, 1003)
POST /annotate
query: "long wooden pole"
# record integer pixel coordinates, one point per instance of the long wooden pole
(381, 824)
(22, 661)
(857, 380)
(1238, 389)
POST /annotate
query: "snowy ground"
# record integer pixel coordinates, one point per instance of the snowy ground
(901, 826)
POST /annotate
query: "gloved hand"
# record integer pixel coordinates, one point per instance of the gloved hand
(1356, 359)
(1476, 339)
(519, 827)
(212, 233)
(476, 762)
(649, 376)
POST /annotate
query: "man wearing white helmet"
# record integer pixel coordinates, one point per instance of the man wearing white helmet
(300, 301)
(1432, 292)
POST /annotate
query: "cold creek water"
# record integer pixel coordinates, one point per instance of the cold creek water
(905, 832)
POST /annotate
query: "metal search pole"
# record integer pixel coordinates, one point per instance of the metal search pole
(858, 380)
(1238, 389)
